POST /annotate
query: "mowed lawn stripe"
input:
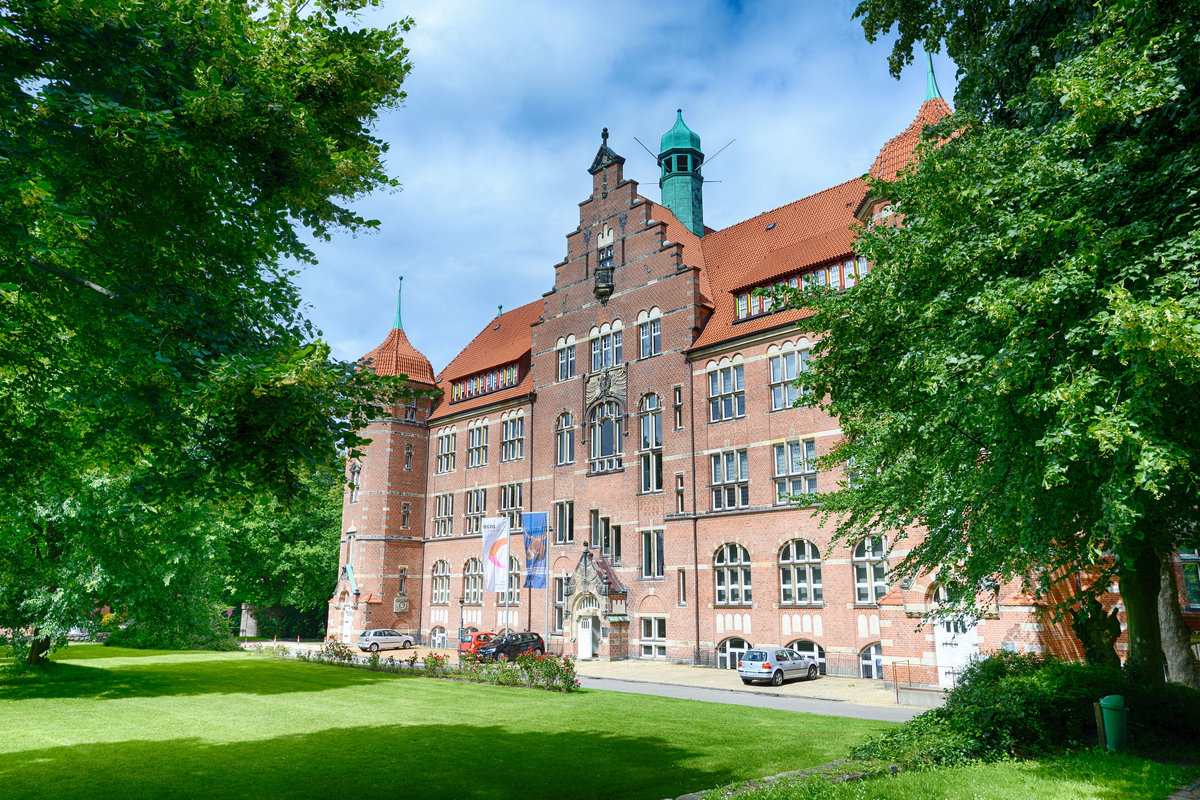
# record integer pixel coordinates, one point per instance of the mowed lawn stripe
(125, 724)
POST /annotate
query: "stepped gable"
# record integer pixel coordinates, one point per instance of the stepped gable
(808, 232)
(898, 151)
(505, 339)
(693, 252)
(396, 356)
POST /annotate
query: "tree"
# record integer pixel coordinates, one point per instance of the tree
(158, 163)
(281, 556)
(1017, 376)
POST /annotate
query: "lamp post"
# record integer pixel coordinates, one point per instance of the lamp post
(461, 628)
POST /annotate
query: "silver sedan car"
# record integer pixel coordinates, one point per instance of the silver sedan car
(383, 638)
(775, 664)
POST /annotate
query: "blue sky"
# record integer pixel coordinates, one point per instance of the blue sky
(503, 117)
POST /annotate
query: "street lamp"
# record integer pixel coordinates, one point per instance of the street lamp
(461, 628)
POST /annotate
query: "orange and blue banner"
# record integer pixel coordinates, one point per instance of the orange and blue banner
(495, 554)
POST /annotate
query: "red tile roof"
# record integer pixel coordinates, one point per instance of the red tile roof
(396, 356)
(898, 151)
(807, 232)
(502, 341)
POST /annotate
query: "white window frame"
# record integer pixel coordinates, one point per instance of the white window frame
(564, 439)
(726, 392)
(785, 366)
(440, 583)
(649, 333)
(443, 514)
(654, 637)
(870, 570)
(566, 359)
(800, 574)
(475, 511)
(564, 522)
(477, 443)
(653, 554)
(512, 503)
(446, 441)
(732, 576)
(512, 438)
(473, 582)
(651, 444)
(607, 412)
(795, 469)
(730, 479)
(607, 346)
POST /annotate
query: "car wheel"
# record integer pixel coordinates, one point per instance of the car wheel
(777, 678)
(747, 681)
(404, 645)
(812, 672)
(374, 648)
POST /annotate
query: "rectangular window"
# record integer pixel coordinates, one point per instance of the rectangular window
(1191, 576)
(564, 522)
(654, 636)
(795, 469)
(730, 480)
(445, 452)
(443, 515)
(742, 305)
(511, 504)
(477, 440)
(679, 502)
(606, 351)
(683, 587)
(726, 393)
(512, 439)
(678, 406)
(650, 338)
(560, 604)
(652, 554)
(564, 439)
(784, 368)
(405, 512)
(606, 537)
(566, 362)
(476, 508)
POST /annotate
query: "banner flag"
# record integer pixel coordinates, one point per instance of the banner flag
(495, 554)
(535, 549)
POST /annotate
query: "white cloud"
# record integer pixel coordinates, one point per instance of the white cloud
(504, 110)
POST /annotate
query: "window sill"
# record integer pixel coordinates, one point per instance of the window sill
(727, 419)
(866, 605)
(565, 464)
(800, 605)
(652, 491)
(734, 605)
(652, 579)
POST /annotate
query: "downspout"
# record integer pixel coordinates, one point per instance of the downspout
(695, 534)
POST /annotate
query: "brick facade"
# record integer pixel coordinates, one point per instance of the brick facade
(689, 566)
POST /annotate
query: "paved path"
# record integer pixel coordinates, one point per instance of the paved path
(810, 705)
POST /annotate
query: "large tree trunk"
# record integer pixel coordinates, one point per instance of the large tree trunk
(1176, 636)
(39, 649)
(1139, 575)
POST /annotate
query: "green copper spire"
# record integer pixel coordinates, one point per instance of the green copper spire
(681, 183)
(399, 325)
(931, 87)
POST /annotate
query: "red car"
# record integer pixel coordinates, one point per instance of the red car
(473, 641)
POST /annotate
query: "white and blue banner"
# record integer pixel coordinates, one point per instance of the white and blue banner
(535, 549)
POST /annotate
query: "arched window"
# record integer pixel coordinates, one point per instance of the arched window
(870, 662)
(730, 651)
(564, 435)
(732, 569)
(649, 333)
(514, 584)
(437, 637)
(566, 358)
(605, 430)
(800, 573)
(651, 443)
(408, 456)
(870, 570)
(473, 582)
(811, 649)
(606, 345)
(441, 583)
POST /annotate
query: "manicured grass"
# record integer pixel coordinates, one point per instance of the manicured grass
(1092, 775)
(125, 724)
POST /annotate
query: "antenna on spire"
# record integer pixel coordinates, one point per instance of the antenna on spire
(399, 325)
(709, 160)
(647, 149)
(931, 87)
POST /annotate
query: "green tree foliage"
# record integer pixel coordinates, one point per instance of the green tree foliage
(282, 559)
(159, 161)
(1018, 377)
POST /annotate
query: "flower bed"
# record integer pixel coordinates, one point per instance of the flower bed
(548, 671)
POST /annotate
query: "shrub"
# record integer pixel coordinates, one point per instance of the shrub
(1026, 705)
(335, 651)
(435, 663)
(204, 632)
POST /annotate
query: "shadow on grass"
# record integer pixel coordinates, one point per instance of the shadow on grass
(429, 761)
(239, 675)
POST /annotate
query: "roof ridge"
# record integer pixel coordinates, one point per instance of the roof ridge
(491, 323)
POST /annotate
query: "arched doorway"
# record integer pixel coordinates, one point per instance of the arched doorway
(870, 662)
(729, 651)
(810, 648)
(587, 621)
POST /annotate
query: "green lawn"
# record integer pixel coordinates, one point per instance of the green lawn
(125, 724)
(1093, 775)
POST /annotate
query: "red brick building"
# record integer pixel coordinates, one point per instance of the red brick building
(644, 403)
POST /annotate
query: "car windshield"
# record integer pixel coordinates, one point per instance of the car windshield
(755, 655)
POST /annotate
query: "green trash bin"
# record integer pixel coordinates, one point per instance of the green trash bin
(1112, 709)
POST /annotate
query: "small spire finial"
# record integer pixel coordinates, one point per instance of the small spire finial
(500, 308)
(604, 137)
(399, 325)
(931, 87)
